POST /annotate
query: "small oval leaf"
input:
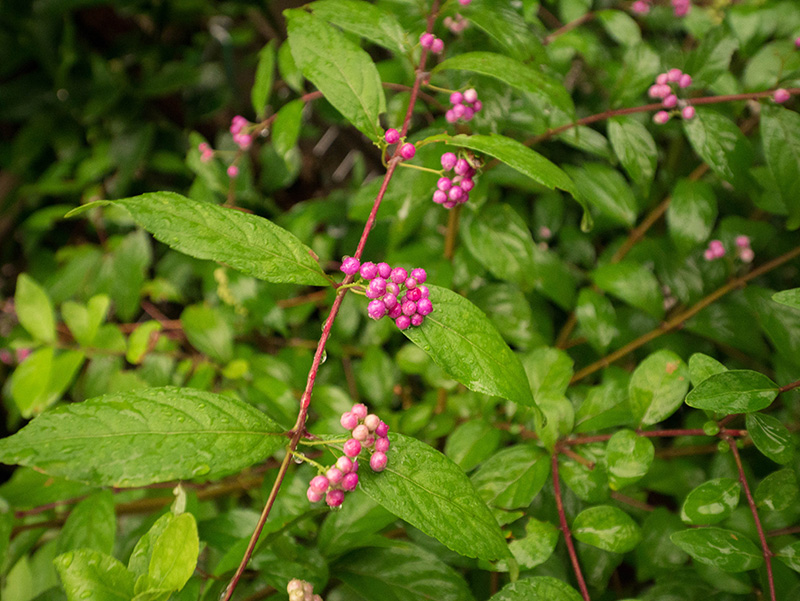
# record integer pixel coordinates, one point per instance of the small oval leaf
(725, 549)
(734, 391)
(607, 528)
(628, 457)
(771, 437)
(538, 588)
(711, 502)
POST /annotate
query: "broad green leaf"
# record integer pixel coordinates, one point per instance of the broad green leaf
(286, 126)
(790, 555)
(712, 57)
(711, 502)
(734, 391)
(657, 387)
(146, 436)
(635, 148)
(506, 26)
(341, 70)
(262, 86)
(512, 477)
(84, 321)
(536, 546)
(251, 244)
(510, 311)
(780, 128)
(463, 342)
(656, 554)
(208, 331)
(369, 21)
(596, 318)
(88, 574)
(725, 549)
(430, 492)
(92, 524)
(605, 189)
(352, 525)
(139, 341)
(620, 26)
(34, 309)
(607, 528)
(778, 490)
(471, 443)
(702, 367)
(549, 371)
(770, 437)
(790, 298)
(42, 378)
(288, 69)
(628, 457)
(129, 264)
(605, 406)
(514, 154)
(174, 554)
(139, 561)
(538, 588)
(718, 141)
(590, 485)
(691, 214)
(514, 73)
(403, 572)
(632, 283)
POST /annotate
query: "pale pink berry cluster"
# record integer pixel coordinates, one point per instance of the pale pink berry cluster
(454, 191)
(393, 292)
(407, 150)
(243, 140)
(456, 24)
(665, 88)
(680, 8)
(369, 433)
(716, 250)
(431, 42)
(464, 106)
(300, 590)
(206, 152)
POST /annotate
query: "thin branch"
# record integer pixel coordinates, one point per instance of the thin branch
(562, 519)
(452, 232)
(568, 27)
(789, 387)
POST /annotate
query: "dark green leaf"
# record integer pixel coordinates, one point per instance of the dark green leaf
(146, 436)
(536, 546)
(605, 406)
(635, 148)
(778, 490)
(352, 525)
(430, 492)
(691, 214)
(88, 574)
(657, 387)
(734, 391)
(606, 527)
(462, 341)
(208, 332)
(90, 525)
(606, 190)
(657, 554)
(286, 127)
(725, 549)
(265, 72)
(512, 477)
(506, 26)
(628, 457)
(702, 367)
(596, 318)
(366, 20)
(790, 555)
(620, 26)
(471, 443)
(549, 371)
(538, 588)
(341, 70)
(34, 309)
(711, 502)
(510, 311)
(770, 437)
(712, 57)
(591, 485)
(718, 141)
(780, 128)
(631, 282)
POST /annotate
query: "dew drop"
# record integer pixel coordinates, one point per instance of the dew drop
(324, 357)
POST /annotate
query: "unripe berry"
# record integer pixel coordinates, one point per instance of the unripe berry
(470, 95)
(334, 475)
(402, 322)
(399, 275)
(372, 421)
(382, 444)
(717, 248)
(350, 265)
(352, 448)
(450, 116)
(674, 75)
(377, 462)
(384, 270)
(437, 46)
(392, 136)
(688, 112)
(382, 430)
(408, 150)
(747, 255)
(360, 432)
(424, 306)
(417, 319)
(685, 81)
(419, 275)
(349, 420)
(345, 464)
(449, 160)
(671, 101)
(661, 79)
(350, 481)
(742, 241)
(319, 484)
(376, 309)
(334, 498)
(426, 39)
(313, 496)
(359, 410)
(368, 270)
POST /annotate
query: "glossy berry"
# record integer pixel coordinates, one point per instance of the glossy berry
(409, 308)
(439, 197)
(382, 444)
(313, 495)
(350, 265)
(389, 300)
(345, 464)
(414, 295)
(402, 322)
(444, 184)
(449, 160)
(350, 481)
(685, 81)
(471, 96)
(377, 462)
(408, 150)
(319, 484)
(671, 101)
(384, 270)
(359, 410)
(424, 306)
(372, 421)
(688, 112)
(378, 286)
(396, 311)
(456, 98)
(360, 432)
(399, 275)
(417, 319)
(334, 475)
(334, 498)
(368, 270)
(382, 430)
(437, 46)
(233, 171)
(352, 448)
(411, 283)
(376, 309)
(780, 96)
(661, 117)
(742, 241)
(369, 442)
(392, 136)
(426, 40)
(349, 420)
(419, 275)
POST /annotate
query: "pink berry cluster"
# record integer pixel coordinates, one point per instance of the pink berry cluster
(453, 191)
(680, 8)
(206, 152)
(393, 292)
(716, 250)
(431, 42)
(664, 89)
(407, 150)
(456, 24)
(300, 590)
(243, 140)
(368, 432)
(464, 106)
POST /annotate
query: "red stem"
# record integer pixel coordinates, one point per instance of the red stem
(562, 519)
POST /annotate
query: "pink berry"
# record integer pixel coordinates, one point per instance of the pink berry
(717, 248)
(419, 275)
(456, 98)
(319, 484)
(382, 444)
(334, 475)
(334, 498)
(797, 42)
(360, 432)
(389, 300)
(349, 420)
(449, 160)
(455, 193)
(359, 410)
(461, 167)
(424, 306)
(399, 275)
(233, 171)
(345, 464)
(355, 465)
(392, 136)
(449, 204)
(674, 75)
(426, 40)
(437, 46)
(408, 150)
(350, 265)
(742, 241)
(376, 309)
(382, 430)
(368, 270)
(459, 110)
(444, 184)
(708, 254)
(313, 495)
(661, 117)
(470, 95)
(685, 81)
(369, 442)
(417, 319)
(747, 255)
(671, 101)
(378, 461)
(410, 283)
(640, 7)
(409, 308)
(392, 288)
(661, 79)
(477, 105)
(395, 311)
(450, 116)
(384, 270)
(464, 2)
(372, 421)
(414, 295)
(424, 290)
(780, 96)
(688, 112)
(439, 197)
(352, 448)
(378, 286)
(468, 114)
(402, 322)
(467, 184)
(350, 481)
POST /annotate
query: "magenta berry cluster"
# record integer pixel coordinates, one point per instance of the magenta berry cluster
(393, 292)
(456, 24)
(680, 8)
(369, 433)
(716, 250)
(454, 191)
(243, 140)
(206, 152)
(431, 42)
(665, 88)
(464, 106)
(300, 590)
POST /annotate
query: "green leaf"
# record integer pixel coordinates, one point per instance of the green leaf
(265, 72)
(341, 70)
(512, 477)
(430, 492)
(734, 391)
(770, 437)
(607, 528)
(657, 387)
(251, 244)
(538, 588)
(139, 341)
(721, 144)
(628, 457)
(352, 525)
(711, 502)
(536, 546)
(590, 485)
(88, 574)
(369, 21)
(34, 309)
(605, 406)
(138, 438)
(603, 188)
(547, 89)
(507, 27)
(463, 342)
(596, 318)
(403, 572)
(712, 57)
(691, 214)
(42, 378)
(549, 371)
(778, 490)
(790, 555)
(632, 283)
(702, 367)
(790, 298)
(724, 549)
(286, 127)
(780, 128)
(84, 321)
(472, 442)
(620, 26)
(635, 148)
(174, 554)
(92, 524)
(208, 331)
